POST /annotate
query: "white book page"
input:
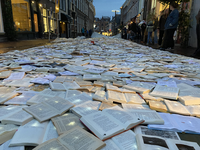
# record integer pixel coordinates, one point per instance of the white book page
(135, 106)
(31, 134)
(79, 139)
(60, 105)
(50, 132)
(38, 98)
(71, 85)
(149, 116)
(79, 99)
(110, 145)
(187, 123)
(7, 96)
(5, 146)
(9, 110)
(71, 93)
(165, 92)
(41, 111)
(15, 76)
(57, 86)
(194, 110)
(126, 140)
(87, 108)
(121, 117)
(7, 127)
(169, 123)
(19, 116)
(21, 99)
(102, 125)
(134, 99)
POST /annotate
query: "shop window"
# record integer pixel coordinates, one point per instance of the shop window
(21, 15)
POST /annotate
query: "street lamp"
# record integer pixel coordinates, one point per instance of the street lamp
(115, 18)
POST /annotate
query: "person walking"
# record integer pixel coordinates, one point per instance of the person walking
(83, 31)
(155, 29)
(90, 33)
(170, 27)
(197, 52)
(149, 31)
(162, 27)
(143, 27)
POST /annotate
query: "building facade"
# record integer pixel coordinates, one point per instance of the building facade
(102, 25)
(1, 21)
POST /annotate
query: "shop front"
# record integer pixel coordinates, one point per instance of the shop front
(64, 27)
(1, 21)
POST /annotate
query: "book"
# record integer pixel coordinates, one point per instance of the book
(7, 131)
(40, 81)
(66, 122)
(91, 77)
(25, 82)
(158, 106)
(60, 79)
(82, 83)
(71, 93)
(139, 87)
(15, 76)
(21, 99)
(105, 105)
(116, 97)
(135, 106)
(99, 83)
(49, 108)
(144, 130)
(123, 141)
(110, 122)
(178, 123)
(194, 110)
(149, 116)
(5, 146)
(9, 110)
(7, 96)
(5, 74)
(57, 86)
(7, 89)
(38, 98)
(149, 97)
(176, 107)
(165, 92)
(100, 96)
(151, 142)
(33, 134)
(189, 100)
(134, 99)
(19, 118)
(50, 93)
(86, 108)
(79, 99)
(75, 139)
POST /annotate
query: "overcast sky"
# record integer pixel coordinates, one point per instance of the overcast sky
(105, 7)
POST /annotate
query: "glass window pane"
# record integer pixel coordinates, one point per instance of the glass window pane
(45, 24)
(21, 15)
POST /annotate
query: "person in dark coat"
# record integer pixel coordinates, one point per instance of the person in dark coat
(162, 27)
(90, 32)
(143, 27)
(170, 27)
(197, 52)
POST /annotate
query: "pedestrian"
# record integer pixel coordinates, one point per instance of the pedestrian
(83, 31)
(149, 31)
(170, 27)
(87, 33)
(143, 27)
(155, 29)
(129, 31)
(90, 33)
(124, 33)
(162, 27)
(197, 52)
(138, 33)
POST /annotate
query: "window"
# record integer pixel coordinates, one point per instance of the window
(21, 15)
(45, 19)
(64, 5)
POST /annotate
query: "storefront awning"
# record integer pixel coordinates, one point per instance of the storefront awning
(65, 17)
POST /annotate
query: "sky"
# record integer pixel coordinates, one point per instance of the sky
(105, 7)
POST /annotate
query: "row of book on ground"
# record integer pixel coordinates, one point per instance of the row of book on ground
(106, 94)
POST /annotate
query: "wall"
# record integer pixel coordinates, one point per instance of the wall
(1, 20)
(194, 12)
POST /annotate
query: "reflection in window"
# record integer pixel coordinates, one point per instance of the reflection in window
(21, 15)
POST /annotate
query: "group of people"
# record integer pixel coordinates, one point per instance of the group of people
(86, 33)
(166, 26)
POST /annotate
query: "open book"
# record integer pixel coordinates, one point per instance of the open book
(178, 123)
(75, 139)
(66, 122)
(110, 122)
(7, 131)
(161, 133)
(19, 118)
(124, 141)
(5, 97)
(145, 142)
(34, 133)
(5, 146)
(50, 108)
